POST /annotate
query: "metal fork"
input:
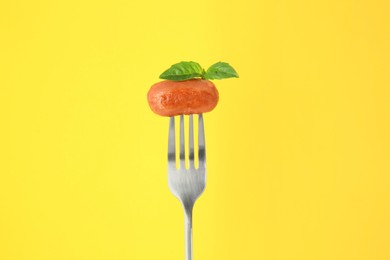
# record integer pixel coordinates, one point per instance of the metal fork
(187, 184)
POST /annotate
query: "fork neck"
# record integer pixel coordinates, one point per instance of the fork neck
(188, 211)
(188, 205)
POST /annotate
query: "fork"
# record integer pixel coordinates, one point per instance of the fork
(187, 184)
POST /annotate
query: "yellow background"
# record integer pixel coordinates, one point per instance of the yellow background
(298, 148)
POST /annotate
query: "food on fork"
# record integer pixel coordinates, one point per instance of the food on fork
(194, 96)
(187, 89)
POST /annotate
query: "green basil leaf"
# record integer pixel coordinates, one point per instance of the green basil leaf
(220, 70)
(182, 71)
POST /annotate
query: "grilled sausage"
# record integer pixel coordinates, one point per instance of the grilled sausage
(171, 98)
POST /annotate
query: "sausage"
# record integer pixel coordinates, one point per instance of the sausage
(171, 98)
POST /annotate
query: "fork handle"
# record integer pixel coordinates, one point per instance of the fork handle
(188, 232)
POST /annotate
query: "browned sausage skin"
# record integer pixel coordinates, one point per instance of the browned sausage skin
(194, 96)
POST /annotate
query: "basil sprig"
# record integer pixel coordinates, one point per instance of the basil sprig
(191, 70)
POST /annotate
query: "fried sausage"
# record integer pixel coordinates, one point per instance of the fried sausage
(171, 98)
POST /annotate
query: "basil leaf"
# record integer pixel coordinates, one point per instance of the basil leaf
(182, 71)
(220, 70)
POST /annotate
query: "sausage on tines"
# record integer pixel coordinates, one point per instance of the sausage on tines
(171, 98)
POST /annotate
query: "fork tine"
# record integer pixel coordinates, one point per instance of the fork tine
(191, 150)
(201, 143)
(182, 151)
(171, 144)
